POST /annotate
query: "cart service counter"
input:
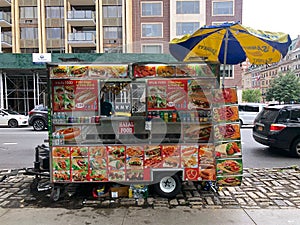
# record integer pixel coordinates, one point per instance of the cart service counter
(168, 123)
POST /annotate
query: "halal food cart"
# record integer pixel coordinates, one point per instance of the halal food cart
(168, 123)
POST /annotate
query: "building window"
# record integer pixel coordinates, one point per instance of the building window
(183, 28)
(54, 50)
(113, 50)
(29, 50)
(29, 32)
(112, 11)
(55, 33)
(112, 32)
(187, 7)
(152, 30)
(55, 12)
(222, 8)
(151, 8)
(155, 49)
(228, 71)
(28, 12)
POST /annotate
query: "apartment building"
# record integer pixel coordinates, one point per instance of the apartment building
(100, 26)
(262, 76)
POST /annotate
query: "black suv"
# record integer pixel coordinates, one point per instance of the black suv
(38, 118)
(278, 126)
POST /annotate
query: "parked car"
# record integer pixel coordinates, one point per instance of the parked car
(278, 126)
(11, 118)
(38, 118)
(248, 112)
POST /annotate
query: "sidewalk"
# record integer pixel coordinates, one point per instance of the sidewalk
(266, 196)
(129, 216)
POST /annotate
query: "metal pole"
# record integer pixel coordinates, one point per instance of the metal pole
(34, 89)
(1, 91)
(37, 88)
(225, 56)
(5, 86)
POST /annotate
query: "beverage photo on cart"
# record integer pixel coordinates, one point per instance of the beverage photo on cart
(12, 119)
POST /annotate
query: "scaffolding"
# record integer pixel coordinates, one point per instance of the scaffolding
(21, 92)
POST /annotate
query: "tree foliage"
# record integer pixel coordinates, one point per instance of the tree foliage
(284, 88)
(252, 95)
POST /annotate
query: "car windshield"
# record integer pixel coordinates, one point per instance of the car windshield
(11, 112)
(40, 107)
(269, 115)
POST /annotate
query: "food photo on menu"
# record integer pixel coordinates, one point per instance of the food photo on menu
(206, 154)
(157, 95)
(152, 157)
(200, 132)
(59, 71)
(78, 71)
(198, 98)
(229, 180)
(133, 175)
(108, 71)
(189, 156)
(61, 176)
(226, 113)
(185, 70)
(228, 149)
(140, 71)
(229, 166)
(225, 96)
(116, 157)
(227, 131)
(98, 175)
(207, 172)
(166, 71)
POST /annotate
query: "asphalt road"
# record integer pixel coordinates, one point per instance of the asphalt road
(17, 146)
(17, 150)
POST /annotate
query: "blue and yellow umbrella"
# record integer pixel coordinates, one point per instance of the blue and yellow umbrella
(231, 43)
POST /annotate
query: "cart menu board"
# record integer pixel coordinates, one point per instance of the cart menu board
(98, 71)
(167, 94)
(227, 138)
(172, 70)
(79, 95)
(123, 163)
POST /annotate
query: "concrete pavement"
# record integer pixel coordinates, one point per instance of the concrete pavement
(266, 196)
(129, 216)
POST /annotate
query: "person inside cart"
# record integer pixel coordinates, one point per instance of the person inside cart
(106, 107)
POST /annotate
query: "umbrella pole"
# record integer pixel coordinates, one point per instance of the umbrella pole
(225, 56)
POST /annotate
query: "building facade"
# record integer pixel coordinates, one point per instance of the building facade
(99, 26)
(262, 76)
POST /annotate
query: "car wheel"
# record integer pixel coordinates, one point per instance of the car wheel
(13, 123)
(295, 149)
(168, 186)
(38, 125)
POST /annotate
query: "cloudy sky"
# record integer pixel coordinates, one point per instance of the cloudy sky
(272, 15)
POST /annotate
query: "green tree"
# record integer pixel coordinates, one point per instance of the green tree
(252, 95)
(284, 88)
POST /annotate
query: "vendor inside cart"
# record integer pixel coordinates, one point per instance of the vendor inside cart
(105, 107)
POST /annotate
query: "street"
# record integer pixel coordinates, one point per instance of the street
(17, 146)
(17, 150)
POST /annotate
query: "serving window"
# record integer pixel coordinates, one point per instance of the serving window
(119, 95)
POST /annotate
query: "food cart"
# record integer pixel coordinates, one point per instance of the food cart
(169, 123)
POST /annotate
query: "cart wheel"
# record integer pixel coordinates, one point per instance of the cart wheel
(168, 186)
(55, 193)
